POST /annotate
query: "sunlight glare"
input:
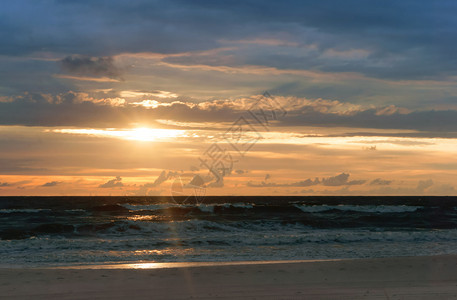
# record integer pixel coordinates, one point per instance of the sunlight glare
(136, 134)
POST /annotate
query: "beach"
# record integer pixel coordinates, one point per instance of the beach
(428, 277)
(228, 248)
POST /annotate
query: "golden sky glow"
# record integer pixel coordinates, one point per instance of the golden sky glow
(135, 158)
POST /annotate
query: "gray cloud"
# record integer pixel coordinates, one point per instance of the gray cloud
(20, 165)
(217, 184)
(51, 184)
(422, 185)
(164, 176)
(159, 180)
(442, 189)
(116, 182)
(197, 181)
(379, 181)
(341, 179)
(426, 120)
(82, 65)
(405, 39)
(78, 109)
(338, 180)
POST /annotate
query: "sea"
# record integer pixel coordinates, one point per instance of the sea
(78, 231)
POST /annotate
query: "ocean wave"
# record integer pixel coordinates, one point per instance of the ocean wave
(117, 219)
(359, 208)
(185, 244)
(241, 207)
(23, 210)
(202, 207)
(138, 207)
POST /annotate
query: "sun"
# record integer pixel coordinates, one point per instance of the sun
(150, 134)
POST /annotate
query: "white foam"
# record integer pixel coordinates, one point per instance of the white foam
(359, 208)
(135, 207)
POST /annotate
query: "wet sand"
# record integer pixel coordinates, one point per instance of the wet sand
(432, 277)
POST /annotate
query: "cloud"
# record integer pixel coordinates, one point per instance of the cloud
(85, 78)
(341, 179)
(319, 113)
(370, 148)
(19, 165)
(51, 184)
(305, 183)
(80, 109)
(394, 39)
(379, 181)
(84, 66)
(176, 187)
(197, 181)
(116, 182)
(361, 52)
(159, 180)
(145, 95)
(442, 189)
(338, 180)
(164, 176)
(5, 184)
(217, 184)
(422, 185)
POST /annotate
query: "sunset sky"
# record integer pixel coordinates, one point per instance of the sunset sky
(131, 97)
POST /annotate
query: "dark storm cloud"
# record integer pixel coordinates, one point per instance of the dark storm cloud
(82, 65)
(404, 39)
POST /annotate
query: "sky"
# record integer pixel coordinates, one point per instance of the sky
(248, 97)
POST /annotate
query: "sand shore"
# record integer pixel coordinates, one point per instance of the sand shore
(432, 277)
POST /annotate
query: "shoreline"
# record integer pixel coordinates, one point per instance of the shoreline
(421, 277)
(171, 265)
(144, 265)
